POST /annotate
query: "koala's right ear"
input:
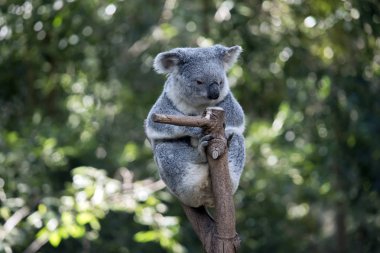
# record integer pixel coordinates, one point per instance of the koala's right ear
(231, 55)
(166, 62)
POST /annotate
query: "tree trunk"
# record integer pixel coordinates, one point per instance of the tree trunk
(219, 235)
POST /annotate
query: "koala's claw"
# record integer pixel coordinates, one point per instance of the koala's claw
(203, 143)
(205, 139)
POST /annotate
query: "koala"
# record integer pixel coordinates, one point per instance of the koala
(196, 79)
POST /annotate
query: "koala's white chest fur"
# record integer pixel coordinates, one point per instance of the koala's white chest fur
(197, 187)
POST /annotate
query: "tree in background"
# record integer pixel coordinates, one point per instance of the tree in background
(76, 85)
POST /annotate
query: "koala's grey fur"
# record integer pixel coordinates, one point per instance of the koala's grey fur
(196, 80)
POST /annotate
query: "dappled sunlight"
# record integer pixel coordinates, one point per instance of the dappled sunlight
(77, 83)
(298, 211)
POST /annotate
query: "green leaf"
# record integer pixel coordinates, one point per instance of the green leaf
(55, 239)
(57, 21)
(325, 86)
(146, 236)
(12, 138)
(42, 209)
(84, 218)
(43, 233)
(63, 232)
(67, 218)
(95, 224)
(130, 152)
(76, 231)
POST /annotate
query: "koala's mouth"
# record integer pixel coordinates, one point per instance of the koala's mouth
(213, 96)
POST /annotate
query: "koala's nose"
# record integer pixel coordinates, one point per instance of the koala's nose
(213, 91)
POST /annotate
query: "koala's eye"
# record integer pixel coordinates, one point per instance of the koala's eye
(199, 82)
(221, 82)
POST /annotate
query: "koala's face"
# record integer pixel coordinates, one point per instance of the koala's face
(199, 73)
(201, 76)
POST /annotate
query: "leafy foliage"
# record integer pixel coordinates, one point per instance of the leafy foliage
(76, 85)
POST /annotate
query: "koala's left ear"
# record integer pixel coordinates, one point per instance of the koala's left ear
(166, 62)
(230, 56)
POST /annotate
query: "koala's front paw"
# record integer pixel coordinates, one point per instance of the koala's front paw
(203, 143)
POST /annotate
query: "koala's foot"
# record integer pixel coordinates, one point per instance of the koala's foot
(203, 143)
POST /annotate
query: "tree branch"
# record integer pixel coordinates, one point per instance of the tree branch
(12, 222)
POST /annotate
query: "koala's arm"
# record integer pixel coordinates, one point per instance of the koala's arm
(234, 131)
(236, 159)
(235, 123)
(156, 131)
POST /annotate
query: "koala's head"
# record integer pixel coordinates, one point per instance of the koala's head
(198, 74)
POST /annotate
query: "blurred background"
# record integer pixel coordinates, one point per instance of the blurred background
(76, 82)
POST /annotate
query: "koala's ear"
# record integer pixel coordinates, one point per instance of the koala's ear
(166, 62)
(230, 56)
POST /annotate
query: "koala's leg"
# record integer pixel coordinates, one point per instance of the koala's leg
(184, 171)
(236, 158)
